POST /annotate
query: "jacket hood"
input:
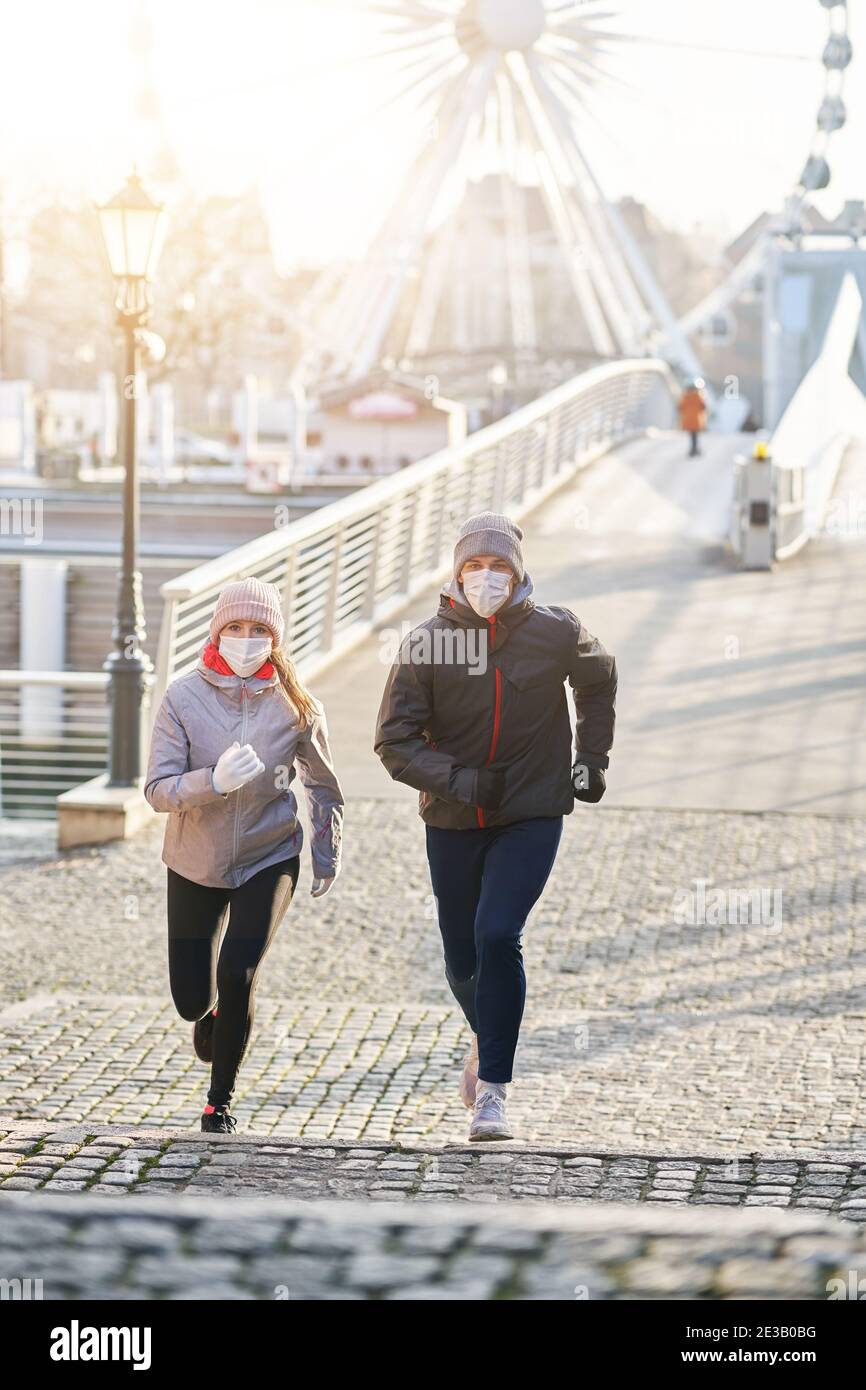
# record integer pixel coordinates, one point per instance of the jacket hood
(233, 682)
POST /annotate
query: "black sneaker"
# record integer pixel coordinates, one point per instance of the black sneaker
(218, 1121)
(202, 1037)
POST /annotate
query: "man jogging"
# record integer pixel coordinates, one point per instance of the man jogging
(475, 716)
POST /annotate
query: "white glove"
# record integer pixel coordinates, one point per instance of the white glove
(235, 767)
(320, 887)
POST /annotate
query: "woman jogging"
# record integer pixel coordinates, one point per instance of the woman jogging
(475, 716)
(227, 741)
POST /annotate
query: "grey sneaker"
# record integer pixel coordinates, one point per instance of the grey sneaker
(488, 1116)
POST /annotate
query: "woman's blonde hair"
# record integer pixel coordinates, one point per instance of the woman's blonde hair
(291, 687)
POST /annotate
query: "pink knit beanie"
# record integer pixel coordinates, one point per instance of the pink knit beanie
(252, 600)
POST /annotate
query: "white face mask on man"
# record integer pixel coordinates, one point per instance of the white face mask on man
(245, 654)
(486, 590)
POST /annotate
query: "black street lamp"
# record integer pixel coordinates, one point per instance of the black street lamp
(133, 229)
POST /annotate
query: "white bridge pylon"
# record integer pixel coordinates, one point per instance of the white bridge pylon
(513, 75)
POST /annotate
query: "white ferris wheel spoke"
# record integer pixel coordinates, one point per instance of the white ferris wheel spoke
(408, 44)
(593, 9)
(396, 11)
(345, 316)
(424, 28)
(630, 91)
(684, 45)
(386, 11)
(435, 274)
(445, 158)
(581, 111)
(373, 292)
(418, 89)
(584, 52)
(413, 14)
(566, 218)
(621, 294)
(583, 33)
(447, 8)
(678, 344)
(622, 305)
(588, 75)
(582, 69)
(517, 252)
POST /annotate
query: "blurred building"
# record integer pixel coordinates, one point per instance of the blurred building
(380, 425)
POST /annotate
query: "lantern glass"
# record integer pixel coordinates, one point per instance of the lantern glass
(133, 230)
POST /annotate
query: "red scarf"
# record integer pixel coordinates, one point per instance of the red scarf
(212, 657)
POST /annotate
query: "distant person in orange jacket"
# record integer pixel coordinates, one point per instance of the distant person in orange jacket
(693, 413)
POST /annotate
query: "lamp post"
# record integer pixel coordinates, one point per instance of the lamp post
(497, 376)
(133, 229)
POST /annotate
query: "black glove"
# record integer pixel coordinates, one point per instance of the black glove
(588, 782)
(491, 788)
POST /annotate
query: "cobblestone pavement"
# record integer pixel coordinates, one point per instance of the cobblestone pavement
(117, 1160)
(350, 1072)
(203, 1248)
(640, 1029)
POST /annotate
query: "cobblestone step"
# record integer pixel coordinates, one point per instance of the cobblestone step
(642, 1026)
(110, 1160)
(210, 1248)
(390, 1071)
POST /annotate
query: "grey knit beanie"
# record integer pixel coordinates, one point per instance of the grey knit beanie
(489, 533)
(252, 600)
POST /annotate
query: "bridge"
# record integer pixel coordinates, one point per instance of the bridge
(664, 1063)
(741, 688)
(674, 1053)
(738, 765)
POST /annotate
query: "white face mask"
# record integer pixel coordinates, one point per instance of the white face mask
(245, 654)
(486, 590)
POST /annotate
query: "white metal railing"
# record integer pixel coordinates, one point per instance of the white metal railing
(355, 562)
(53, 736)
(826, 412)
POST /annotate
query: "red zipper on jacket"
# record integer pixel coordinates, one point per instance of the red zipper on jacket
(497, 714)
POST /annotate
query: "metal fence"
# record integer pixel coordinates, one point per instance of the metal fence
(53, 736)
(357, 561)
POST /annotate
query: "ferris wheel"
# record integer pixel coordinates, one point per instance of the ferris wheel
(836, 58)
(515, 79)
(831, 116)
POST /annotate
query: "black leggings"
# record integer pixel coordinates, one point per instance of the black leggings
(200, 969)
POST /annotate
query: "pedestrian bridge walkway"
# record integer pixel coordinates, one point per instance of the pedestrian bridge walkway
(738, 690)
(671, 1064)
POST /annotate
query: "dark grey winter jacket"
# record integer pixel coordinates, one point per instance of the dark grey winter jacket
(443, 717)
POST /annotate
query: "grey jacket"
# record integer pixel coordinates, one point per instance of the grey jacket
(221, 841)
(443, 717)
